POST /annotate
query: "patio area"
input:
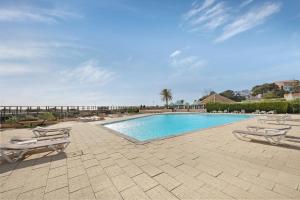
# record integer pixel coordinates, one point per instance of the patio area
(208, 164)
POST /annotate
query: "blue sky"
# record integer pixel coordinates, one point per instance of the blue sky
(122, 52)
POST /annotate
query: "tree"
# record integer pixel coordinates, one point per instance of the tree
(264, 88)
(230, 94)
(210, 93)
(268, 90)
(166, 95)
(296, 86)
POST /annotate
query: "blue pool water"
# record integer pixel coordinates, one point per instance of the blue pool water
(159, 126)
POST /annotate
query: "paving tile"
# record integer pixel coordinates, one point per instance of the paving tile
(145, 182)
(95, 171)
(139, 161)
(188, 170)
(56, 183)
(107, 162)
(35, 194)
(173, 162)
(102, 156)
(74, 163)
(264, 193)
(207, 169)
(209, 192)
(169, 169)
(160, 193)
(189, 181)
(239, 193)
(167, 181)
(85, 193)
(13, 182)
(113, 170)
(76, 171)
(122, 182)
(286, 191)
(116, 155)
(11, 194)
(151, 170)
(78, 182)
(213, 181)
(90, 163)
(34, 182)
(123, 162)
(183, 192)
(155, 161)
(134, 193)
(235, 181)
(100, 182)
(257, 180)
(109, 193)
(132, 170)
(61, 194)
(58, 171)
(58, 163)
(87, 157)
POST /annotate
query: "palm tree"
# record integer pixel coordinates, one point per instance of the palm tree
(166, 95)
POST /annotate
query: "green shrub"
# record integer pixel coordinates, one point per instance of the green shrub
(294, 106)
(27, 118)
(47, 116)
(278, 106)
(12, 120)
(132, 110)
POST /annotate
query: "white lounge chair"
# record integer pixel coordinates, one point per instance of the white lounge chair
(40, 131)
(257, 128)
(17, 139)
(274, 136)
(12, 152)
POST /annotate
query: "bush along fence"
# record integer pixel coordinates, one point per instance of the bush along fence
(278, 106)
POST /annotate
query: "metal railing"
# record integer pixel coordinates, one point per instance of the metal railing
(75, 111)
(59, 111)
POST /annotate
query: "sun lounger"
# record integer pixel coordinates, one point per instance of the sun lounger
(279, 119)
(256, 128)
(13, 152)
(90, 119)
(274, 136)
(16, 139)
(40, 132)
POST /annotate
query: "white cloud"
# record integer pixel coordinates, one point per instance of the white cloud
(35, 50)
(207, 16)
(175, 53)
(246, 3)
(88, 73)
(9, 52)
(35, 14)
(7, 69)
(198, 8)
(184, 63)
(249, 20)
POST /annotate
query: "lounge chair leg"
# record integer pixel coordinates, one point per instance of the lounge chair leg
(275, 140)
(241, 137)
(15, 156)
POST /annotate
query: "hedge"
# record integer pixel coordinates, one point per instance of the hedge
(278, 106)
(294, 106)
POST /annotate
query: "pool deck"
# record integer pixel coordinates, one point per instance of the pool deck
(207, 164)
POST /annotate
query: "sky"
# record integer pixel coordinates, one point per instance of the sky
(124, 52)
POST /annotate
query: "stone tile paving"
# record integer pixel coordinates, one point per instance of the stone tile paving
(208, 164)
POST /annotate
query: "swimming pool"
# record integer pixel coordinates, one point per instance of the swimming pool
(166, 125)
